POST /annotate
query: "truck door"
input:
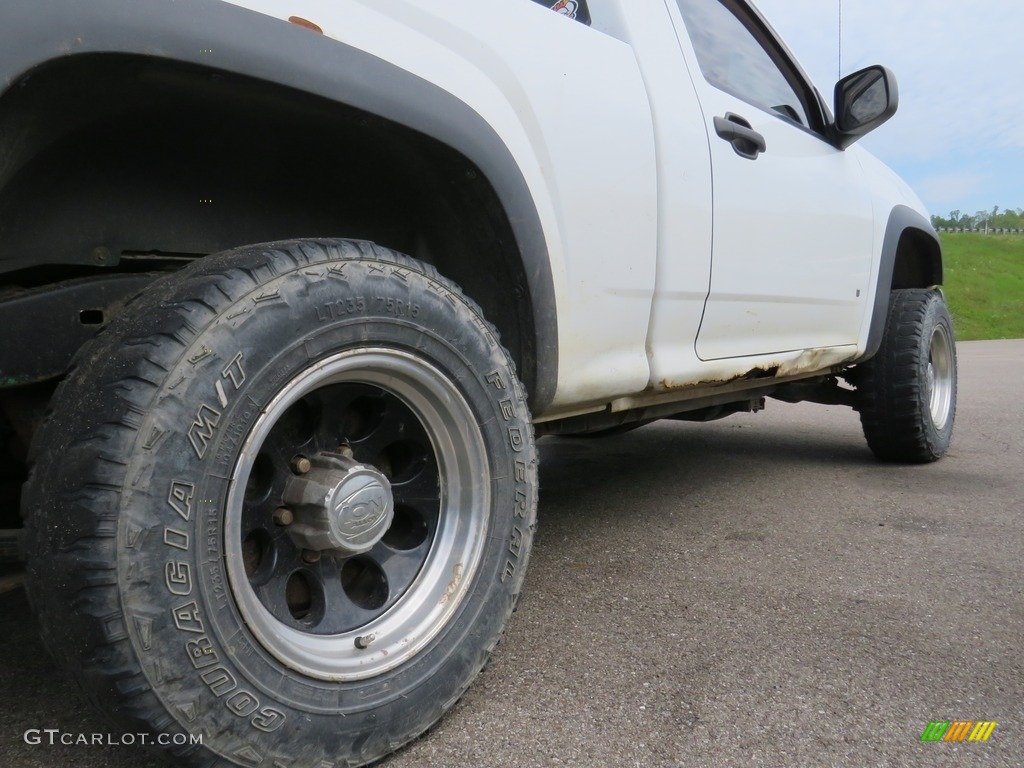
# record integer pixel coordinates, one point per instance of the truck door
(792, 218)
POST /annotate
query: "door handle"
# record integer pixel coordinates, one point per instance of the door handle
(737, 131)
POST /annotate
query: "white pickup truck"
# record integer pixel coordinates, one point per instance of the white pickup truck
(289, 287)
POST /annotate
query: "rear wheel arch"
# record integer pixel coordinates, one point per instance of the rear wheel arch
(466, 186)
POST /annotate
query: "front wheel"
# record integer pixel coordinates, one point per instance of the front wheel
(907, 392)
(284, 502)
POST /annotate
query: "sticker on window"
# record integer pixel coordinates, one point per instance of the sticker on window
(574, 9)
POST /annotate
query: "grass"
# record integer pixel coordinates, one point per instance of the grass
(984, 284)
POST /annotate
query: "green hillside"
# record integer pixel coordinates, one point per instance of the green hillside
(985, 285)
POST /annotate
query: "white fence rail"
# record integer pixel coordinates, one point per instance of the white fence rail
(984, 231)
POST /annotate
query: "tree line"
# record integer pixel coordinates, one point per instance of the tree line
(997, 218)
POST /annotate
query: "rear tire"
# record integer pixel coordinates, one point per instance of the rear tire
(907, 392)
(187, 567)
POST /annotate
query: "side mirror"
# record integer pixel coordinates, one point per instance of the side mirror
(864, 100)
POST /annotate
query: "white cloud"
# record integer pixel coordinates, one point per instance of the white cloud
(957, 65)
(947, 191)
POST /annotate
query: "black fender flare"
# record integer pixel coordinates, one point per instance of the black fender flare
(901, 220)
(218, 35)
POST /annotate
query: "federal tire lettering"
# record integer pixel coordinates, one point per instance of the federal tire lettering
(515, 545)
(522, 504)
(508, 410)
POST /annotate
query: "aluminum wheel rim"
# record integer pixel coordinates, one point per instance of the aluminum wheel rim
(940, 376)
(455, 549)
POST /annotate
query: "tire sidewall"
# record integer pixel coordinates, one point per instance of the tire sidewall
(936, 314)
(208, 670)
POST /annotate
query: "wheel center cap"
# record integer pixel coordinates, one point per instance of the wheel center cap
(339, 504)
(363, 507)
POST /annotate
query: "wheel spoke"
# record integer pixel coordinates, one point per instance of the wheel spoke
(297, 427)
(273, 593)
(280, 556)
(424, 487)
(395, 424)
(347, 413)
(400, 567)
(341, 613)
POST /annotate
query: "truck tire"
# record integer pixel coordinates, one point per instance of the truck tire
(907, 391)
(284, 503)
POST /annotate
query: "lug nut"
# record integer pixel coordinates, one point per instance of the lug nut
(283, 516)
(345, 450)
(310, 556)
(301, 465)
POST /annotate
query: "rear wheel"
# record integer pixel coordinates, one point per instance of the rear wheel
(907, 392)
(284, 501)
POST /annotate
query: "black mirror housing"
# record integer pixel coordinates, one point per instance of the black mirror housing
(863, 101)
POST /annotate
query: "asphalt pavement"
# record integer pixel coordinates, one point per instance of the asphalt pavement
(756, 591)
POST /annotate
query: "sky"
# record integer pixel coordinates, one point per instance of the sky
(958, 137)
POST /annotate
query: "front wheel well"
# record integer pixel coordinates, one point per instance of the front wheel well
(918, 261)
(911, 257)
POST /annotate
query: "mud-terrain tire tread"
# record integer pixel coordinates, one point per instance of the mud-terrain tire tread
(71, 496)
(893, 397)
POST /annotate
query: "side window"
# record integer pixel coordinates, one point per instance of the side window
(574, 9)
(737, 59)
